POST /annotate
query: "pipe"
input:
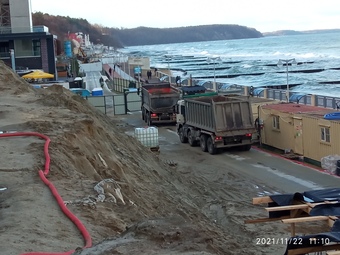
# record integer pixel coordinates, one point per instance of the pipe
(63, 207)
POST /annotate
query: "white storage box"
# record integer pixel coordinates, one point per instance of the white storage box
(147, 136)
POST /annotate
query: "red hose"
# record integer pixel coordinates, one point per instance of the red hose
(66, 211)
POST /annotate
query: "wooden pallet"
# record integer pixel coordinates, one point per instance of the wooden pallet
(298, 212)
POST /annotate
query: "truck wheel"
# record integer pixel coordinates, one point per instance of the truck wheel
(191, 139)
(211, 147)
(246, 147)
(203, 143)
(182, 137)
(149, 121)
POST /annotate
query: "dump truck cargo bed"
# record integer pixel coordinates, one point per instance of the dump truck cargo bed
(220, 114)
(159, 97)
(159, 102)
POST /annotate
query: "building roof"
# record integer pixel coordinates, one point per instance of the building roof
(299, 109)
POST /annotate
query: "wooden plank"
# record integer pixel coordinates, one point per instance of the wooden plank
(331, 220)
(333, 253)
(304, 219)
(292, 229)
(300, 251)
(307, 206)
(286, 207)
(262, 200)
(295, 213)
(265, 220)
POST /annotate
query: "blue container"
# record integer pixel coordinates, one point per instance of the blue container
(332, 116)
(81, 92)
(68, 48)
(97, 92)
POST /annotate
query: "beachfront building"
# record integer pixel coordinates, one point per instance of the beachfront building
(301, 129)
(23, 46)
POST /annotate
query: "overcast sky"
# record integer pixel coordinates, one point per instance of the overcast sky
(263, 15)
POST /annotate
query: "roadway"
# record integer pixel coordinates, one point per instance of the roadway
(265, 169)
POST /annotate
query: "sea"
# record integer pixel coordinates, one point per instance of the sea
(255, 62)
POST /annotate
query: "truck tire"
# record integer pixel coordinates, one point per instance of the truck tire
(211, 147)
(149, 121)
(191, 139)
(203, 143)
(182, 136)
(246, 147)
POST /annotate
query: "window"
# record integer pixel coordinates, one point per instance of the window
(4, 49)
(325, 135)
(276, 122)
(36, 47)
(27, 47)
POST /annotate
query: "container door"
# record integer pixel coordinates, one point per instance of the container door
(298, 148)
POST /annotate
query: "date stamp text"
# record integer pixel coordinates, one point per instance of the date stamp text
(278, 241)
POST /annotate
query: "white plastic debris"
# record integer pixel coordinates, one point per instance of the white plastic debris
(329, 163)
(110, 188)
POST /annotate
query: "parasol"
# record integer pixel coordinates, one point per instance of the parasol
(38, 74)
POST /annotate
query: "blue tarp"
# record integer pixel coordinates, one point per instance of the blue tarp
(332, 194)
(196, 89)
(313, 240)
(332, 116)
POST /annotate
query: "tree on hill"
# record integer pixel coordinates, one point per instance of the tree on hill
(118, 38)
(61, 26)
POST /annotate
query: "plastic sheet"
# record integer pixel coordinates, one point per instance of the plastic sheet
(329, 163)
(110, 188)
(147, 136)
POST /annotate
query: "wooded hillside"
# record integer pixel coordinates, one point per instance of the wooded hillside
(61, 25)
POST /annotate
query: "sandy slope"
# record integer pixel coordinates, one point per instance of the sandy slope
(162, 212)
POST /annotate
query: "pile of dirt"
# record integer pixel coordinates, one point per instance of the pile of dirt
(141, 212)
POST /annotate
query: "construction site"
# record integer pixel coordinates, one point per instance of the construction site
(74, 181)
(77, 180)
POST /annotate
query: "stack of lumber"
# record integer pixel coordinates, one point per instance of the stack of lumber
(302, 211)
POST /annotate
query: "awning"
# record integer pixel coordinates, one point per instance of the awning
(296, 97)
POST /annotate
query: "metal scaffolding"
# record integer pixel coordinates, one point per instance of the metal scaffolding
(5, 17)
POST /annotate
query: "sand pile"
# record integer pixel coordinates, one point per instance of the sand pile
(87, 147)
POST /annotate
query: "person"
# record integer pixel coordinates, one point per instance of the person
(156, 71)
(110, 71)
(149, 74)
(178, 80)
(101, 81)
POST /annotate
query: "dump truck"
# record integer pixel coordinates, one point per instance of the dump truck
(215, 122)
(159, 102)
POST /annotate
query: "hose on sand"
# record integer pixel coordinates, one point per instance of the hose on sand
(65, 210)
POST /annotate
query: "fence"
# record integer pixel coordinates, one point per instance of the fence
(120, 85)
(116, 104)
(301, 98)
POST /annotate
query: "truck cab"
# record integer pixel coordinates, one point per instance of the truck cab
(180, 112)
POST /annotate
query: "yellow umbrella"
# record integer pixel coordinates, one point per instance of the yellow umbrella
(38, 74)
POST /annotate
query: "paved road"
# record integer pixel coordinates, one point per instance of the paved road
(274, 173)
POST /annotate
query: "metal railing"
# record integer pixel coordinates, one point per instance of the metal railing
(320, 100)
(15, 30)
(120, 85)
